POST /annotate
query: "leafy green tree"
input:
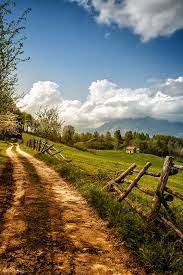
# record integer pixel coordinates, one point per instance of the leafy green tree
(117, 139)
(108, 141)
(68, 134)
(11, 52)
(128, 137)
(28, 122)
(96, 135)
(49, 124)
(108, 137)
(76, 137)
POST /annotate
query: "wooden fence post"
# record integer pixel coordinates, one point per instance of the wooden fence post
(161, 187)
(44, 146)
(39, 146)
(46, 149)
(34, 144)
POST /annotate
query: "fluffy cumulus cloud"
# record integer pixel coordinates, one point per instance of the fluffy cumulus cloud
(44, 93)
(147, 18)
(106, 101)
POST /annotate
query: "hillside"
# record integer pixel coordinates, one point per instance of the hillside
(111, 162)
(147, 125)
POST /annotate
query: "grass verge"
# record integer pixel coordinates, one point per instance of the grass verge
(3, 146)
(156, 249)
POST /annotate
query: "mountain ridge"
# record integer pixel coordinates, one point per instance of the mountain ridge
(147, 125)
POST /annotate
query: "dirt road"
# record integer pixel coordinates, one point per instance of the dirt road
(48, 228)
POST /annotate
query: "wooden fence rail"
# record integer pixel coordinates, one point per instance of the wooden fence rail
(43, 147)
(160, 197)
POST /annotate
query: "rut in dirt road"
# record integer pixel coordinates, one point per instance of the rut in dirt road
(50, 229)
(6, 189)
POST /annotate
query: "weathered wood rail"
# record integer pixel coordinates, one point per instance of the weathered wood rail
(160, 197)
(44, 148)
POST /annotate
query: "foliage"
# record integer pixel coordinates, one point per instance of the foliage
(117, 139)
(11, 52)
(48, 124)
(159, 145)
(9, 124)
(28, 122)
(68, 134)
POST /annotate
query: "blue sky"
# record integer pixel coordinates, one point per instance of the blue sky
(97, 60)
(67, 46)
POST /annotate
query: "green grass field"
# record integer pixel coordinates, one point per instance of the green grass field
(111, 162)
(156, 248)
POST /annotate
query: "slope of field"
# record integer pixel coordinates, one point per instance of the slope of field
(157, 248)
(110, 162)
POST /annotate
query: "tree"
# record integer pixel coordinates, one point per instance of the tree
(68, 134)
(128, 137)
(117, 139)
(76, 137)
(28, 122)
(9, 125)
(96, 135)
(108, 137)
(11, 51)
(108, 141)
(49, 124)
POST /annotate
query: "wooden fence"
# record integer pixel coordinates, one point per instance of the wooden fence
(44, 148)
(160, 197)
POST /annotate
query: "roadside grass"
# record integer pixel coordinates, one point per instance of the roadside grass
(3, 147)
(155, 247)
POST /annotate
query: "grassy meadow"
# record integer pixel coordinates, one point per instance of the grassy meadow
(155, 247)
(109, 164)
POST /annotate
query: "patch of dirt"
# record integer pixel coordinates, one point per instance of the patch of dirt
(50, 228)
(6, 189)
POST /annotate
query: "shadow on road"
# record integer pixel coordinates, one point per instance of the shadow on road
(6, 189)
(44, 237)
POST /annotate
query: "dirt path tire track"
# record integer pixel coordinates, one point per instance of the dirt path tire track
(6, 189)
(50, 229)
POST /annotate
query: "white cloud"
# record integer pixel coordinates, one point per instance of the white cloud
(147, 18)
(106, 101)
(45, 93)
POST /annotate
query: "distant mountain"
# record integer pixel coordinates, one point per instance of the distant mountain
(147, 125)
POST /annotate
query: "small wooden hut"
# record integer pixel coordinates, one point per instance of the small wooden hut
(132, 150)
